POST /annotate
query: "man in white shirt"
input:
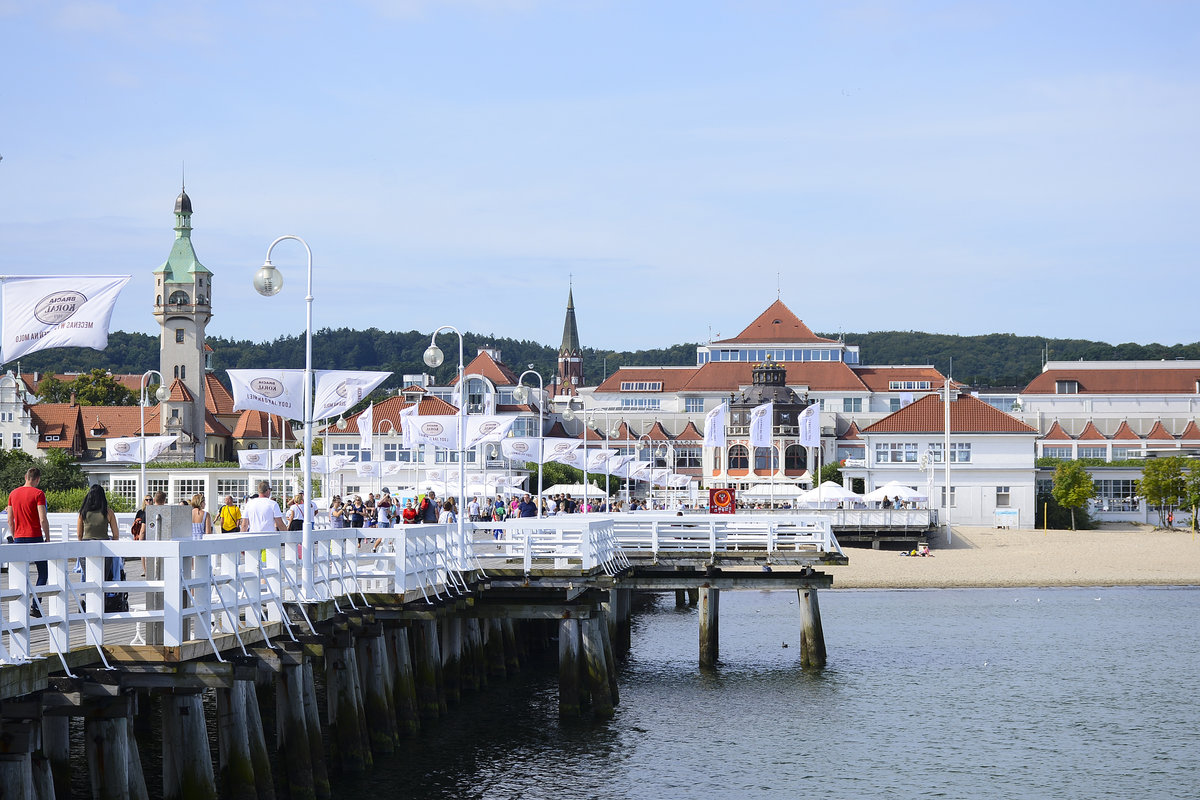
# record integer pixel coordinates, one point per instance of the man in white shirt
(263, 514)
(473, 509)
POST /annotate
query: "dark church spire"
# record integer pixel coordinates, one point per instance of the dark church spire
(570, 354)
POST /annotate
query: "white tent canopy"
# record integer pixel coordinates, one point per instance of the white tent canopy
(894, 489)
(829, 491)
(763, 491)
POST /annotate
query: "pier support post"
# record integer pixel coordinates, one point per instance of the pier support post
(610, 660)
(56, 746)
(375, 703)
(106, 740)
(316, 744)
(424, 644)
(360, 710)
(292, 731)
(235, 767)
(260, 758)
(404, 689)
(595, 666)
(710, 616)
(681, 598)
(512, 653)
(477, 654)
(16, 760)
(693, 596)
(494, 645)
(812, 637)
(186, 760)
(568, 667)
(340, 679)
(451, 646)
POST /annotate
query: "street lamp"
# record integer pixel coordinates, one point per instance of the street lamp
(521, 395)
(161, 394)
(434, 358)
(267, 282)
(665, 449)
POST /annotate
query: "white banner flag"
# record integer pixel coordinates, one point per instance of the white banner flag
(45, 311)
(129, 448)
(367, 469)
(276, 391)
(324, 465)
(520, 449)
(714, 426)
(762, 419)
(484, 428)
(615, 463)
(339, 390)
(264, 459)
(558, 449)
(366, 426)
(390, 468)
(906, 399)
(440, 430)
(810, 426)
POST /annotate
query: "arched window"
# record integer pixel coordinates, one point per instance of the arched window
(158, 300)
(179, 298)
(176, 370)
(766, 458)
(252, 446)
(739, 457)
(795, 459)
(183, 373)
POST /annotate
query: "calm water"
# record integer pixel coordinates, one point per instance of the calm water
(1025, 693)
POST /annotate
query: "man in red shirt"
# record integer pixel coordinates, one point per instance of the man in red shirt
(28, 522)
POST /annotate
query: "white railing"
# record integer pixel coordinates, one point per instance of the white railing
(654, 534)
(586, 541)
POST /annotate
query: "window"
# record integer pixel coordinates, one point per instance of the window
(186, 487)
(1121, 453)
(1093, 452)
(795, 459)
(350, 449)
(641, 403)
(1003, 494)
(237, 488)
(687, 457)
(16, 440)
(896, 453)
(127, 488)
(960, 452)
(763, 455)
(693, 405)
(851, 404)
(1066, 387)
(179, 336)
(908, 386)
(525, 427)
(1056, 452)
(739, 457)
(641, 386)
(395, 451)
(893, 404)
(7, 416)
(53, 437)
(441, 456)
(155, 485)
(1115, 491)
(178, 298)
(953, 504)
(352, 490)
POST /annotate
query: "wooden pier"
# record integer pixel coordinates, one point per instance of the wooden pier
(395, 636)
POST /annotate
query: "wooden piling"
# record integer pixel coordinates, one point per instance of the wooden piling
(425, 669)
(408, 717)
(292, 732)
(17, 741)
(594, 667)
(42, 779)
(610, 661)
(260, 758)
(316, 742)
(186, 760)
(476, 654)
(106, 742)
(512, 653)
(497, 665)
(568, 668)
(375, 704)
(451, 647)
(710, 601)
(235, 767)
(56, 746)
(358, 695)
(693, 596)
(812, 637)
(343, 709)
(681, 598)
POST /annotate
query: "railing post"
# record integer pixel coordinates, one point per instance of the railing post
(172, 569)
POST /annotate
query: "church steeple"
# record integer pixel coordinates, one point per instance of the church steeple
(570, 354)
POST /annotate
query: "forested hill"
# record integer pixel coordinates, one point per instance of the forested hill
(996, 359)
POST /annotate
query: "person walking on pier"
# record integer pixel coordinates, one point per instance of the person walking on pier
(263, 514)
(201, 519)
(28, 521)
(230, 516)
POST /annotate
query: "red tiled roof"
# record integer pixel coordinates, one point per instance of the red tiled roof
(1125, 433)
(819, 376)
(217, 398)
(851, 433)
(414, 388)
(1057, 434)
(180, 393)
(1159, 433)
(673, 378)
(877, 378)
(483, 364)
(776, 324)
(967, 415)
(213, 426)
(58, 419)
(1191, 432)
(1118, 381)
(1091, 434)
(118, 421)
(557, 431)
(252, 424)
(390, 409)
(690, 433)
(658, 433)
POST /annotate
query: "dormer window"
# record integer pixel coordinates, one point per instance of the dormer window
(1066, 387)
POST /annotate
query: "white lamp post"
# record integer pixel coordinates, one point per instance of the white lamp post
(434, 358)
(608, 434)
(521, 395)
(161, 394)
(664, 450)
(267, 282)
(650, 473)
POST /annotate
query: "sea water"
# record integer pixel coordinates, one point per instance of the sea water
(971, 693)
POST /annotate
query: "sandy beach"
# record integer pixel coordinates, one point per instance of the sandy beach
(979, 557)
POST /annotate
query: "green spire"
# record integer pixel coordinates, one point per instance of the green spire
(182, 264)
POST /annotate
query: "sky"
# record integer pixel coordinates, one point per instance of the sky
(951, 167)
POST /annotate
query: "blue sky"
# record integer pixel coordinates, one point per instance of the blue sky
(954, 167)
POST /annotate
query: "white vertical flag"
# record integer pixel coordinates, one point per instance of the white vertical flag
(45, 311)
(276, 391)
(714, 426)
(366, 426)
(762, 419)
(129, 448)
(906, 399)
(810, 426)
(338, 390)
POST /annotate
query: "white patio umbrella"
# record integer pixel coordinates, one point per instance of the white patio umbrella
(894, 489)
(827, 491)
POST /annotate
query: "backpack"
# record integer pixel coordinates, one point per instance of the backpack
(138, 528)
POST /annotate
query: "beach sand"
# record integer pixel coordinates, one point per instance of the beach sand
(980, 557)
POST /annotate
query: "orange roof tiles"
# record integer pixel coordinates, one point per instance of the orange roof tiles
(690, 433)
(819, 376)
(59, 419)
(776, 324)
(658, 433)
(1191, 431)
(217, 398)
(483, 364)
(1124, 433)
(118, 420)
(1091, 433)
(1159, 433)
(877, 379)
(180, 393)
(213, 426)
(557, 431)
(967, 415)
(672, 378)
(851, 433)
(253, 424)
(1056, 433)
(1118, 381)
